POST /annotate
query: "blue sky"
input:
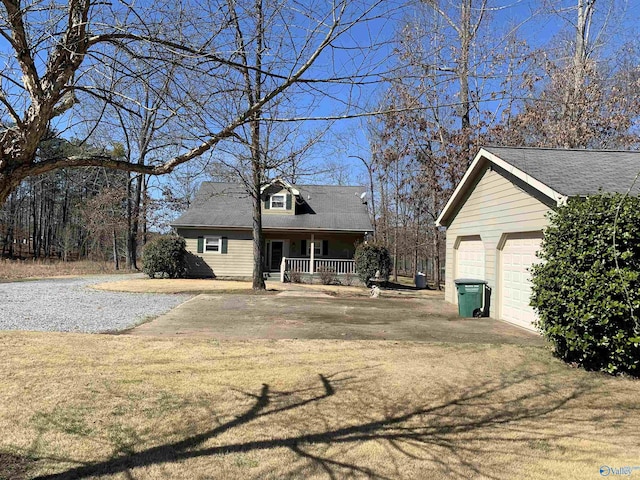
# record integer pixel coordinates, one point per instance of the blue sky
(542, 25)
(536, 25)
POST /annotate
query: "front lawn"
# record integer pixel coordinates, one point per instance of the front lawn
(78, 406)
(197, 286)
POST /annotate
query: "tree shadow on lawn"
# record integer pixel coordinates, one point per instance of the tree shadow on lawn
(14, 467)
(389, 285)
(419, 433)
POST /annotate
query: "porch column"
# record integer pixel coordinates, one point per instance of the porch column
(312, 252)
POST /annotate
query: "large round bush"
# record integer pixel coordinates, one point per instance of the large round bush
(371, 258)
(166, 256)
(589, 307)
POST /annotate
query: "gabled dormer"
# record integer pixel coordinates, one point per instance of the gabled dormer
(279, 197)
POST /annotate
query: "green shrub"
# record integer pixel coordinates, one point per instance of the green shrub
(588, 306)
(166, 256)
(369, 259)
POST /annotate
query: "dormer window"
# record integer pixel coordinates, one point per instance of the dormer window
(278, 202)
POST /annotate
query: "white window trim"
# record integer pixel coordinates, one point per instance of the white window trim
(284, 202)
(317, 244)
(213, 239)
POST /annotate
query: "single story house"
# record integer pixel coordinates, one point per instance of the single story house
(496, 215)
(306, 228)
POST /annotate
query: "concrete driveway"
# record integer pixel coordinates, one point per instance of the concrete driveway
(316, 315)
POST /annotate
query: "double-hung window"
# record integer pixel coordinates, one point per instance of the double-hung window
(278, 202)
(317, 248)
(212, 244)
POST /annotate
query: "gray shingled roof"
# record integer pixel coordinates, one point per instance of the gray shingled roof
(575, 172)
(228, 205)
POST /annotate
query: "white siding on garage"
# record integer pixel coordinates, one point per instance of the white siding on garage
(494, 207)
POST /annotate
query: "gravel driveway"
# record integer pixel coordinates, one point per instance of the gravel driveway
(69, 305)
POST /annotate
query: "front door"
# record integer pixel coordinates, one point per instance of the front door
(276, 250)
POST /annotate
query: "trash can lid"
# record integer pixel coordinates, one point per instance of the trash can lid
(469, 281)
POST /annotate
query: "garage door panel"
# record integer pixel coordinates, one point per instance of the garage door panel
(517, 256)
(470, 259)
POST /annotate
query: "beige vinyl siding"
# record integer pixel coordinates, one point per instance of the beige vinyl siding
(495, 206)
(275, 190)
(237, 262)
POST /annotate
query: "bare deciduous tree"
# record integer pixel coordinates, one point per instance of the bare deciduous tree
(231, 59)
(581, 97)
(55, 45)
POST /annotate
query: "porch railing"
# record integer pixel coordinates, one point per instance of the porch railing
(296, 264)
(303, 265)
(340, 267)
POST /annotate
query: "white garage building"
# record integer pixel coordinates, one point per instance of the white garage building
(496, 216)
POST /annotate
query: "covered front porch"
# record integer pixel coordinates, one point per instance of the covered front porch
(311, 253)
(310, 266)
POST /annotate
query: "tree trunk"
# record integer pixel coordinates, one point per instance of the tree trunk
(254, 93)
(133, 217)
(135, 227)
(116, 260)
(395, 229)
(129, 263)
(383, 224)
(145, 200)
(436, 257)
(258, 237)
(417, 244)
(463, 76)
(7, 247)
(571, 103)
(373, 204)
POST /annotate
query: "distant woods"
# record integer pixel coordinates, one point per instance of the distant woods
(71, 214)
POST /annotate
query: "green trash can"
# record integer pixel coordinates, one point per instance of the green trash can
(473, 297)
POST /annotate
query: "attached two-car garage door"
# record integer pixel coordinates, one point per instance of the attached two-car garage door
(517, 252)
(516, 257)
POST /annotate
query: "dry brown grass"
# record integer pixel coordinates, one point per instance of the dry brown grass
(188, 285)
(83, 406)
(30, 269)
(165, 285)
(174, 285)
